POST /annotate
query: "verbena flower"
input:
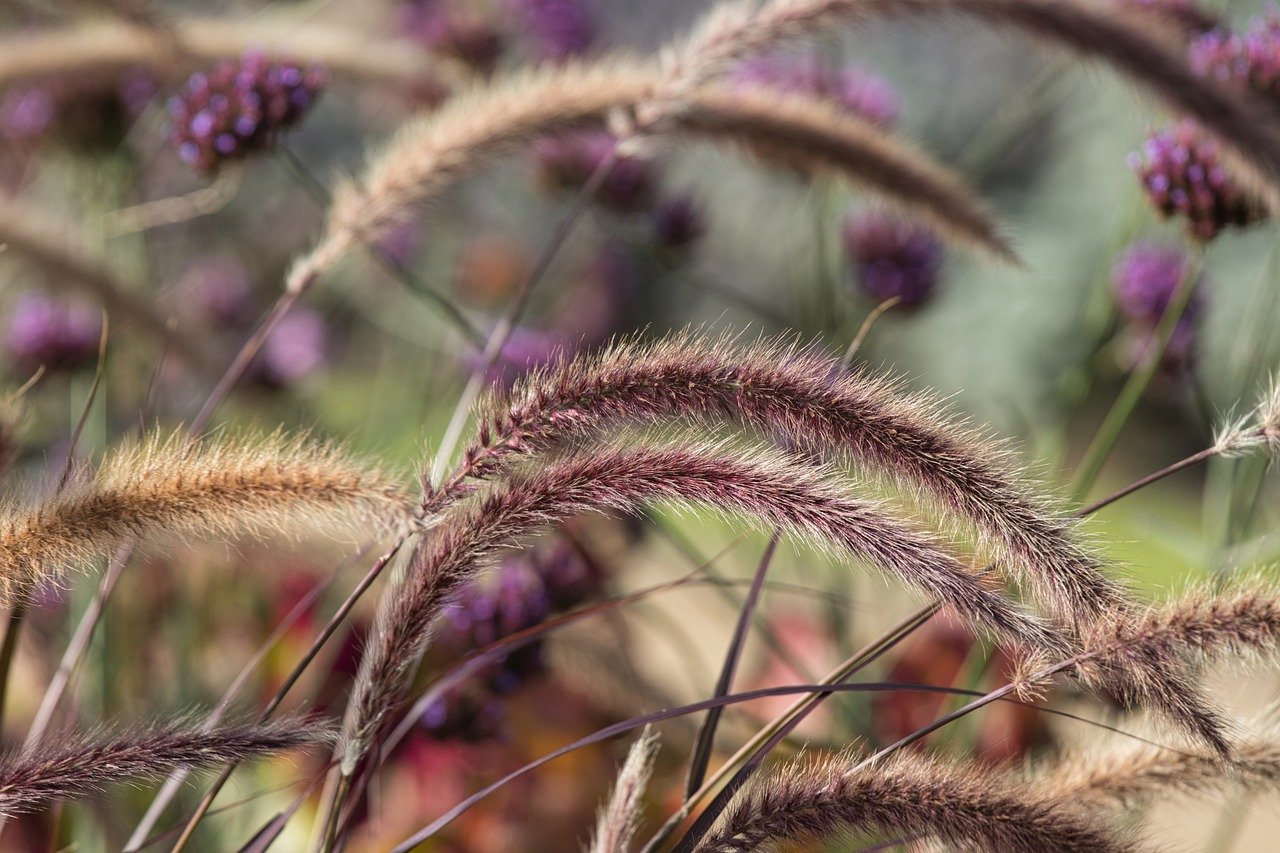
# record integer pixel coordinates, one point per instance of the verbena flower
(458, 31)
(567, 161)
(1145, 278)
(861, 92)
(678, 221)
(1244, 60)
(239, 108)
(891, 257)
(558, 29)
(1181, 170)
(526, 348)
(57, 334)
(220, 290)
(295, 349)
(526, 590)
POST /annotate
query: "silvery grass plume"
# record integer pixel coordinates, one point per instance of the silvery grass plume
(1244, 127)
(224, 486)
(620, 817)
(1134, 774)
(430, 154)
(794, 496)
(965, 805)
(88, 764)
(806, 398)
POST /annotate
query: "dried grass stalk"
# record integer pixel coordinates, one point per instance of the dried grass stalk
(432, 153)
(164, 486)
(968, 806)
(1247, 129)
(108, 47)
(78, 767)
(618, 820)
(805, 397)
(776, 491)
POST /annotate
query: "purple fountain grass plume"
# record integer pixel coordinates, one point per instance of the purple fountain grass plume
(780, 492)
(965, 805)
(162, 486)
(805, 397)
(432, 153)
(619, 818)
(739, 29)
(1131, 775)
(81, 766)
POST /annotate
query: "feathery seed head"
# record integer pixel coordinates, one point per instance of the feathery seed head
(1183, 174)
(239, 108)
(890, 257)
(861, 92)
(57, 334)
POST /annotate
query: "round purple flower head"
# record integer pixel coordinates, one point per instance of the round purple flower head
(677, 222)
(891, 257)
(58, 335)
(1242, 60)
(26, 112)
(239, 108)
(567, 161)
(1182, 173)
(459, 32)
(294, 349)
(526, 349)
(559, 29)
(220, 289)
(1145, 279)
(862, 93)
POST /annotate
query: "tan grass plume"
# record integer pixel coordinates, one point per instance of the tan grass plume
(619, 818)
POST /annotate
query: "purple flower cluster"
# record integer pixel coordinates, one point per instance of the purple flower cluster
(446, 27)
(1182, 173)
(558, 29)
(57, 334)
(889, 257)
(1243, 60)
(220, 291)
(526, 590)
(239, 108)
(862, 93)
(526, 349)
(88, 112)
(1145, 278)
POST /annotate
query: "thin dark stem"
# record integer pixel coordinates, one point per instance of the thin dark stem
(1168, 471)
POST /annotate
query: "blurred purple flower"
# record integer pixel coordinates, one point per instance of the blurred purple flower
(890, 257)
(861, 92)
(1145, 279)
(568, 161)
(294, 349)
(459, 32)
(220, 289)
(677, 222)
(1243, 60)
(1181, 171)
(57, 334)
(559, 29)
(239, 108)
(26, 112)
(526, 349)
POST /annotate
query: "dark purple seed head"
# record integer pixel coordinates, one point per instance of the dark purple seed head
(1180, 170)
(57, 334)
(889, 257)
(239, 108)
(1145, 278)
(678, 222)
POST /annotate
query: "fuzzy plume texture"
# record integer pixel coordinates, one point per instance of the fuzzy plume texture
(1184, 175)
(431, 154)
(738, 29)
(966, 806)
(82, 766)
(161, 487)
(807, 398)
(620, 817)
(239, 108)
(792, 496)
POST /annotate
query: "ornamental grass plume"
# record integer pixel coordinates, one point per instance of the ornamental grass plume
(75, 768)
(163, 487)
(804, 397)
(776, 491)
(964, 805)
(619, 818)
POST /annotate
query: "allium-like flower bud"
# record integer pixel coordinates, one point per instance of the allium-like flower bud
(1145, 279)
(559, 29)
(1247, 60)
(862, 93)
(56, 334)
(1181, 170)
(239, 108)
(890, 257)
(567, 161)
(677, 222)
